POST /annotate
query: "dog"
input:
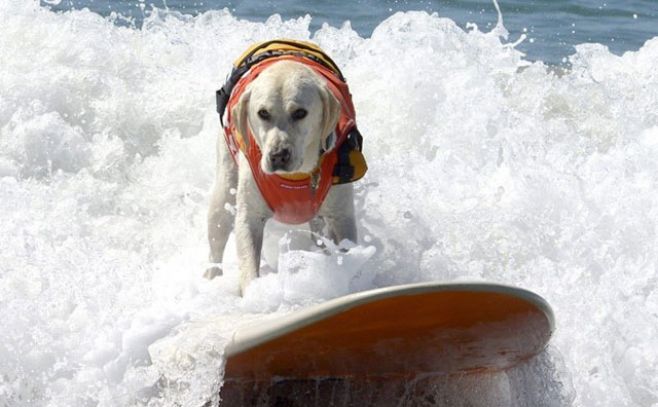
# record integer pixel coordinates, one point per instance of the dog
(290, 121)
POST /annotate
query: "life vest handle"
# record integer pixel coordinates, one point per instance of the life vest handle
(329, 63)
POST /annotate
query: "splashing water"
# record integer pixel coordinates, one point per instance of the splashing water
(482, 166)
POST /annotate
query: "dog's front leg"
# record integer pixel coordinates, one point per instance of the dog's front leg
(249, 236)
(338, 213)
(220, 218)
(252, 213)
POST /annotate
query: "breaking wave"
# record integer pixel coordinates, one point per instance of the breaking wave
(483, 166)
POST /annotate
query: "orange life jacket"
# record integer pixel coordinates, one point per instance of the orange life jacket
(296, 198)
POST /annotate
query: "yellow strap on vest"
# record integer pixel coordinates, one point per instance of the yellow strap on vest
(287, 45)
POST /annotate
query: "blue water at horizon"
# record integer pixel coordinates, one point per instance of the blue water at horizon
(552, 27)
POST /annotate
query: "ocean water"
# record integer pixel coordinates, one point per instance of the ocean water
(552, 27)
(485, 164)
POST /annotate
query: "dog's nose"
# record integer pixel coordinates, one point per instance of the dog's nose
(280, 159)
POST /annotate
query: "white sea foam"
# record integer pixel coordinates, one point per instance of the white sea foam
(478, 170)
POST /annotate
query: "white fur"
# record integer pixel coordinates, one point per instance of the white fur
(281, 89)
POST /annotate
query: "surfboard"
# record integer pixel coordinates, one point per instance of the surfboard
(390, 334)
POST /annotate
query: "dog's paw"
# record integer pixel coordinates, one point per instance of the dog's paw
(212, 272)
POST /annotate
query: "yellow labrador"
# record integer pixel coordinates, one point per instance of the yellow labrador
(290, 111)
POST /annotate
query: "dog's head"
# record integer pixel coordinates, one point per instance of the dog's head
(292, 115)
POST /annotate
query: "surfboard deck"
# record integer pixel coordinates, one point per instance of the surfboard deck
(393, 333)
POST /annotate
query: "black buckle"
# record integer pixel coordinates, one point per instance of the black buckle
(222, 98)
(223, 95)
(355, 139)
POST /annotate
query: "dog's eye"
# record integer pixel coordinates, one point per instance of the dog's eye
(299, 114)
(264, 114)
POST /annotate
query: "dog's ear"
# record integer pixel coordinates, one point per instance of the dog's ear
(330, 116)
(239, 115)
